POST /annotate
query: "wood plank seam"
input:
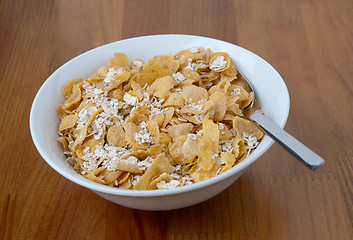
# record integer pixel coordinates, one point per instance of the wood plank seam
(345, 176)
(306, 176)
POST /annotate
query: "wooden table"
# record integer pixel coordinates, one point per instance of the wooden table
(309, 42)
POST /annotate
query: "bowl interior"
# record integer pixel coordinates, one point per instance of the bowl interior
(270, 90)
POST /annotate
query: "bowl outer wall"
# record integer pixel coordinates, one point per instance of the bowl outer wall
(272, 94)
(170, 202)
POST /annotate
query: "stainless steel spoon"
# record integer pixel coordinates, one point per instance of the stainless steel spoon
(299, 150)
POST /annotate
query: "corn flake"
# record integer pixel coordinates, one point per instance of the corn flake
(159, 166)
(67, 122)
(116, 136)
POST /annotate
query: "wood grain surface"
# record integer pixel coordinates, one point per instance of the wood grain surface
(309, 42)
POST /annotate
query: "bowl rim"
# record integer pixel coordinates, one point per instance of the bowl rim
(160, 192)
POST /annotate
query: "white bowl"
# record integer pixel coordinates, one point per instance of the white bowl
(270, 90)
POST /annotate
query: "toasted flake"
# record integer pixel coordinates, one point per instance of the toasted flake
(67, 122)
(199, 174)
(174, 100)
(159, 166)
(184, 149)
(67, 90)
(120, 60)
(116, 136)
(74, 97)
(208, 145)
(220, 61)
(161, 182)
(128, 165)
(180, 129)
(228, 159)
(161, 87)
(219, 106)
(243, 126)
(194, 94)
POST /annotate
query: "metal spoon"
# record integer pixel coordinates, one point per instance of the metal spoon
(299, 150)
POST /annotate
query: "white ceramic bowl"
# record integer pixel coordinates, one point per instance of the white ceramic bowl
(270, 90)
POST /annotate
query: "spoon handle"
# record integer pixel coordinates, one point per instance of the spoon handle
(299, 150)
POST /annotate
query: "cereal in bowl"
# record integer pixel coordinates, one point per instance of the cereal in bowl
(172, 121)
